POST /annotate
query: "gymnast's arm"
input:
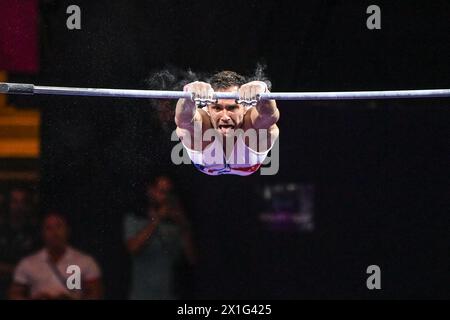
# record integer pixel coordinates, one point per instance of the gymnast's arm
(264, 115)
(188, 116)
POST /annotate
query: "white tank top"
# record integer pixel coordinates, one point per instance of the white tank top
(243, 161)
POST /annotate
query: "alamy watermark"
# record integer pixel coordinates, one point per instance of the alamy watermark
(240, 154)
(374, 280)
(73, 282)
(73, 22)
(373, 22)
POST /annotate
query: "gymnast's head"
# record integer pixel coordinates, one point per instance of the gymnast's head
(226, 115)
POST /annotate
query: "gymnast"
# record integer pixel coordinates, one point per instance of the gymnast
(227, 136)
(236, 127)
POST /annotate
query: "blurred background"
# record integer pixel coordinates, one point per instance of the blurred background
(359, 183)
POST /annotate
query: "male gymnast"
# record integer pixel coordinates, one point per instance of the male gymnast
(227, 136)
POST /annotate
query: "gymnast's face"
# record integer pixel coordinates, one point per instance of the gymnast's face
(226, 115)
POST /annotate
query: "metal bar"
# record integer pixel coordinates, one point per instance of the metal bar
(18, 88)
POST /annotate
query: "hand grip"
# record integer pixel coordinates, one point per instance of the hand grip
(16, 88)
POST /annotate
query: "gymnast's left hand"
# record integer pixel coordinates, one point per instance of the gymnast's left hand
(249, 92)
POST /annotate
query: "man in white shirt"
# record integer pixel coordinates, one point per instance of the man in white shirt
(47, 274)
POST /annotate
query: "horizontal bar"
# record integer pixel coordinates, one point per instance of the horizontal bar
(18, 88)
(358, 95)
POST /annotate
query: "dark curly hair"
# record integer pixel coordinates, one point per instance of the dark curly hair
(226, 79)
(172, 78)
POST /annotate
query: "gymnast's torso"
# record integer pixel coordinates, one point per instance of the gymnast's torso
(214, 160)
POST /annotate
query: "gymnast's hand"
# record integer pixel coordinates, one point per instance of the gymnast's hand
(202, 92)
(248, 93)
(188, 116)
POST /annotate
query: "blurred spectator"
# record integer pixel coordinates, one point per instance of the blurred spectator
(3, 206)
(21, 209)
(18, 236)
(43, 275)
(157, 241)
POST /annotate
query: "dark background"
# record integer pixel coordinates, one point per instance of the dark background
(380, 169)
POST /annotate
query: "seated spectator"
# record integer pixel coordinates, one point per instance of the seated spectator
(44, 275)
(18, 236)
(157, 241)
(3, 206)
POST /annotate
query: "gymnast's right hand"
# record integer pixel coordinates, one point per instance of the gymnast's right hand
(202, 93)
(186, 113)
